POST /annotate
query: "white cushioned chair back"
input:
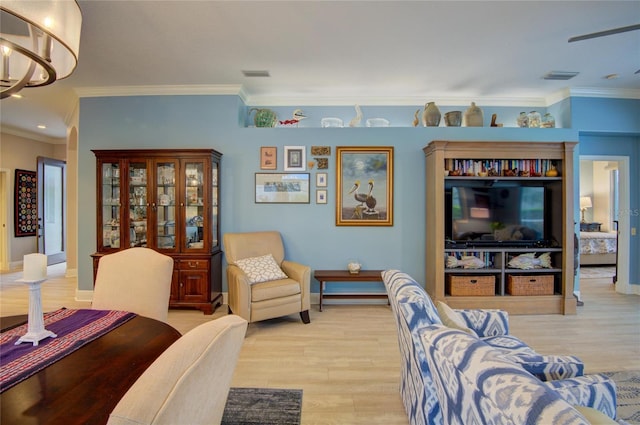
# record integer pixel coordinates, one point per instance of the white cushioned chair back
(189, 382)
(134, 279)
(253, 244)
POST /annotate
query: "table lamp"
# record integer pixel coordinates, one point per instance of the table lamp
(585, 202)
(34, 273)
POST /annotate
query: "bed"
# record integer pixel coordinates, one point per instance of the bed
(598, 248)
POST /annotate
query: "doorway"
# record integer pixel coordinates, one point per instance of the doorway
(605, 181)
(51, 180)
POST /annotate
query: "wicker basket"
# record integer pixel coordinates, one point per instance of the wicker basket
(530, 285)
(465, 286)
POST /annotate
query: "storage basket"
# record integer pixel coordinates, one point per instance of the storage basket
(464, 286)
(530, 285)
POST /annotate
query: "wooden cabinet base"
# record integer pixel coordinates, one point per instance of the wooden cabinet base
(206, 308)
(527, 304)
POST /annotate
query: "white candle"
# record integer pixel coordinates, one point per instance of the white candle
(35, 267)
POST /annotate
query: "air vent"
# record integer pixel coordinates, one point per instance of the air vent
(560, 75)
(255, 73)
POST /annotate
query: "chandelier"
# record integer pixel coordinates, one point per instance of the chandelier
(39, 42)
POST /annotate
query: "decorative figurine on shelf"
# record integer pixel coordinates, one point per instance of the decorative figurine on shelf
(354, 266)
(355, 121)
(534, 119)
(453, 118)
(264, 117)
(529, 261)
(416, 120)
(494, 117)
(431, 115)
(473, 116)
(466, 262)
(552, 172)
(522, 120)
(298, 116)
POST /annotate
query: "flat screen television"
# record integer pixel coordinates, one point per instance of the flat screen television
(499, 214)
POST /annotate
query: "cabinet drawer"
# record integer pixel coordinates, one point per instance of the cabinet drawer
(465, 286)
(530, 285)
(192, 264)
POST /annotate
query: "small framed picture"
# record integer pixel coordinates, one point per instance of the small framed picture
(268, 158)
(321, 179)
(321, 196)
(294, 158)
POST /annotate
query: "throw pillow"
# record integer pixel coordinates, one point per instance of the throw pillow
(452, 319)
(261, 269)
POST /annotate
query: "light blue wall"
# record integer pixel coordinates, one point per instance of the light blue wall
(309, 230)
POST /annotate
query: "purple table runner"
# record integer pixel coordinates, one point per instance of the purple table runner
(74, 328)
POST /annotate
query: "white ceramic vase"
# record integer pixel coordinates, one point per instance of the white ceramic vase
(473, 116)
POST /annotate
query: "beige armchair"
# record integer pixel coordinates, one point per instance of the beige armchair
(273, 298)
(134, 279)
(189, 382)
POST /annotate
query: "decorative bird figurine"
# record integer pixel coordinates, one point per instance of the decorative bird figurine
(298, 116)
(416, 120)
(360, 197)
(370, 201)
(355, 122)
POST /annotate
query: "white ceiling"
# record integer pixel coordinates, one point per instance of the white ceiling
(341, 52)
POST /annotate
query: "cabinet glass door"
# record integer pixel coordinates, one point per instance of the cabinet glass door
(194, 205)
(214, 204)
(165, 206)
(110, 205)
(138, 204)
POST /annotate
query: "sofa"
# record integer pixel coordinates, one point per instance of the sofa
(463, 366)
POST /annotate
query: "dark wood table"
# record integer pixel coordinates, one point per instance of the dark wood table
(325, 276)
(85, 386)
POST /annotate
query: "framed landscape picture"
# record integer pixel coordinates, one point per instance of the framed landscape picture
(364, 186)
(282, 188)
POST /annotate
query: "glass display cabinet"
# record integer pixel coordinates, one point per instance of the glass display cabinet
(166, 200)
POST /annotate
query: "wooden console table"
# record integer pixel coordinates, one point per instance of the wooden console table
(324, 276)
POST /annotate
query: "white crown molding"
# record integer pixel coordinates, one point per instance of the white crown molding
(608, 93)
(219, 89)
(311, 100)
(32, 135)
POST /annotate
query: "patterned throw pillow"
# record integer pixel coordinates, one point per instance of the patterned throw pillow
(261, 269)
(452, 319)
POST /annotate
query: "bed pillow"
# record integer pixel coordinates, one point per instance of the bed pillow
(452, 319)
(261, 269)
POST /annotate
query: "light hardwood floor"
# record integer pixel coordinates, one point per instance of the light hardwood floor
(347, 360)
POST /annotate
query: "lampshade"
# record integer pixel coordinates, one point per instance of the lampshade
(40, 42)
(585, 202)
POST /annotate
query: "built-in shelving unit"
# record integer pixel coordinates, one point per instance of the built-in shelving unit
(545, 166)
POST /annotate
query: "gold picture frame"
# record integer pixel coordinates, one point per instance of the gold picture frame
(268, 158)
(364, 186)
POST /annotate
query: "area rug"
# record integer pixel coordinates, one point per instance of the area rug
(263, 406)
(628, 390)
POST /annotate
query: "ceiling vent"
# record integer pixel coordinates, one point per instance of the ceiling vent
(560, 75)
(255, 73)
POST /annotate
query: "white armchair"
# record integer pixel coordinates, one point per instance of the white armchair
(189, 382)
(134, 279)
(271, 298)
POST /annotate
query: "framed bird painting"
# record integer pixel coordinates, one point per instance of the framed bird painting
(364, 186)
